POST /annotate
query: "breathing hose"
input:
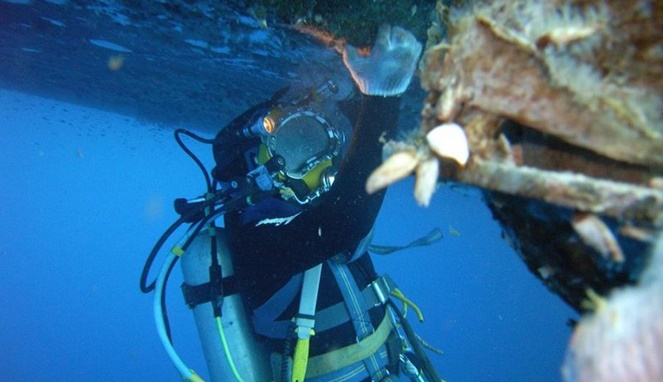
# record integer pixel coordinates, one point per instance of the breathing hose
(226, 350)
(186, 373)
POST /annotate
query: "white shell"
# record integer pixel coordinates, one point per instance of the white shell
(596, 234)
(424, 187)
(395, 168)
(449, 141)
(446, 105)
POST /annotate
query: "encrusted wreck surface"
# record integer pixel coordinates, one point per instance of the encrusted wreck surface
(561, 103)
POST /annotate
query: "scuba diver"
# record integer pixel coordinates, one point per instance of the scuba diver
(287, 291)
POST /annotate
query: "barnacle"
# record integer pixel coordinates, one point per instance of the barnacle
(594, 302)
(395, 168)
(426, 173)
(421, 156)
(449, 141)
(596, 234)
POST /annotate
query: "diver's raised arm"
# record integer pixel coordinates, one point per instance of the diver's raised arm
(381, 76)
(347, 213)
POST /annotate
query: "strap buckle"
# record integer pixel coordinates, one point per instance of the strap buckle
(382, 287)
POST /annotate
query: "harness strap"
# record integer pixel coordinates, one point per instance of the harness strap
(373, 295)
(352, 299)
(376, 293)
(264, 317)
(363, 246)
(346, 356)
(433, 236)
(359, 314)
(195, 295)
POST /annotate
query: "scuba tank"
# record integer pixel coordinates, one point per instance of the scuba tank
(231, 350)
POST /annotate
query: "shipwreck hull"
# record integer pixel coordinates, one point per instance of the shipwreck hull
(561, 104)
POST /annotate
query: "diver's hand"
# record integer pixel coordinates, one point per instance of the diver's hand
(388, 69)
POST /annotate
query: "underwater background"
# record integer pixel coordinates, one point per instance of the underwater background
(85, 194)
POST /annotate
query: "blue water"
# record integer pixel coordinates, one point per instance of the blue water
(85, 194)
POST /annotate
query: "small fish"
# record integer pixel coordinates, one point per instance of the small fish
(453, 231)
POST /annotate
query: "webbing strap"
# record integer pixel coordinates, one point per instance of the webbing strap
(346, 356)
(376, 293)
(264, 317)
(363, 246)
(195, 295)
(353, 300)
(359, 312)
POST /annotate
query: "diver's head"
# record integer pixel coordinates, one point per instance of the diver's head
(292, 146)
(310, 144)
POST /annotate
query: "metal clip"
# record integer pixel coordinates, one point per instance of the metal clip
(381, 290)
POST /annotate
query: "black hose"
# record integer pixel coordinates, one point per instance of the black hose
(200, 225)
(144, 287)
(428, 368)
(192, 155)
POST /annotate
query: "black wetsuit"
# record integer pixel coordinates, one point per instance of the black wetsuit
(266, 256)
